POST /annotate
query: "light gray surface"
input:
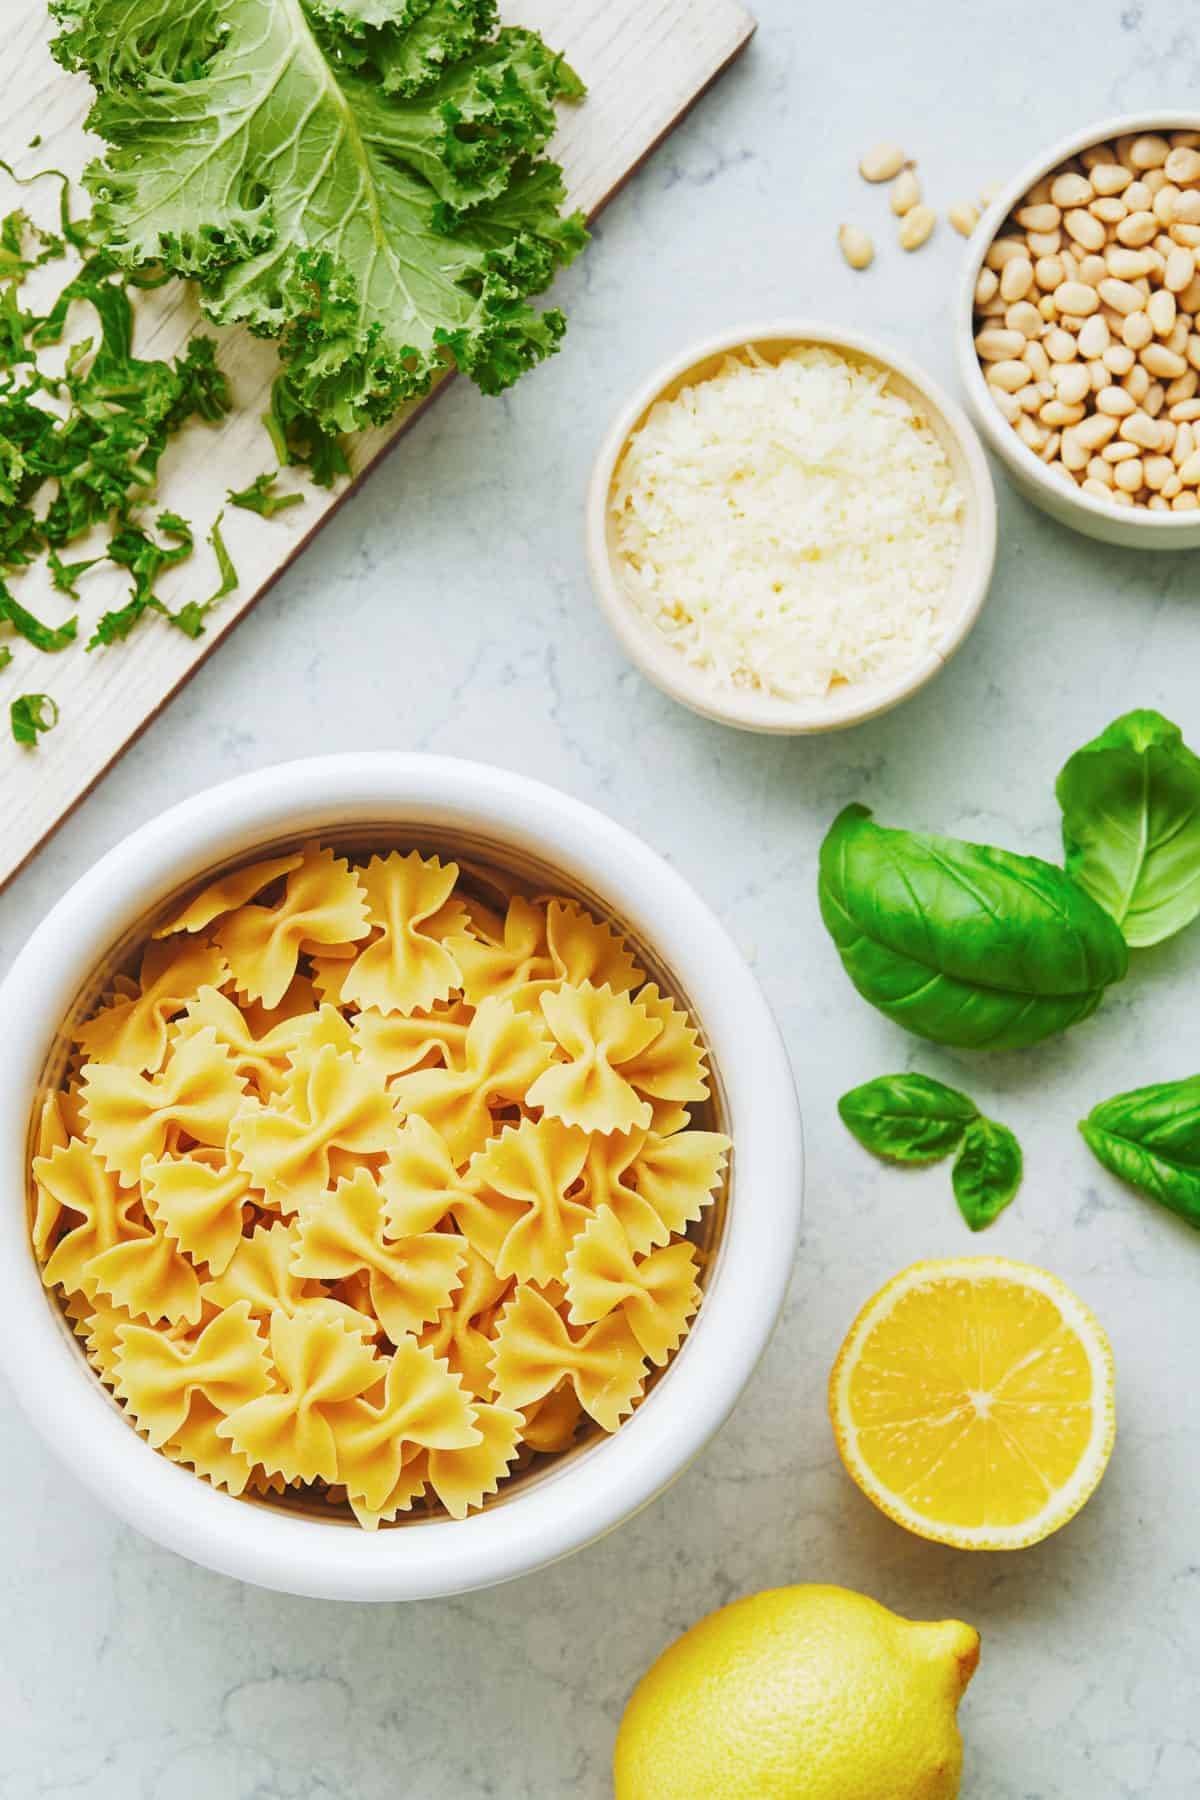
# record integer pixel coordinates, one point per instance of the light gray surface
(447, 609)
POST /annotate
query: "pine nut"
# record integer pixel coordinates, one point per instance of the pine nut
(1093, 337)
(1008, 374)
(1161, 310)
(1110, 178)
(1157, 471)
(1024, 317)
(1074, 454)
(1049, 273)
(1186, 502)
(1072, 381)
(1083, 228)
(1006, 404)
(1163, 362)
(1114, 401)
(964, 217)
(882, 162)
(999, 346)
(1122, 296)
(1164, 204)
(1138, 229)
(916, 226)
(1183, 165)
(1002, 249)
(1076, 298)
(1038, 361)
(1184, 388)
(1137, 330)
(1130, 476)
(1187, 208)
(1110, 209)
(1059, 345)
(1045, 217)
(986, 287)
(1070, 189)
(1044, 243)
(1137, 383)
(1127, 265)
(1181, 267)
(856, 246)
(1184, 411)
(1148, 151)
(1189, 472)
(1141, 430)
(1184, 447)
(1119, 358)
(1097, 490)
(906, 192)
(1058, 413)
(1096, 431)
(1016, 279)
(1099, 470)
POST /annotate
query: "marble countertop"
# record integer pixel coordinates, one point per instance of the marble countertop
(446, 608)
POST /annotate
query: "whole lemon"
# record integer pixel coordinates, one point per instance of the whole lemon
(800, 1693)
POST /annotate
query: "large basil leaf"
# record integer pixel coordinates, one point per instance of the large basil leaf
(1151, 1138)
(962, 943)
(907, 1118)
(987, 1172)
(1131, 825)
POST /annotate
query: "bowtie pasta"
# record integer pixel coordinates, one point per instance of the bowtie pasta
(367, 1189)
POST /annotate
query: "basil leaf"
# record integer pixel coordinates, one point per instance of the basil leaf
(962, 943)
(908, 1118)
(1150, 1138)
(1131, 825)
(987, 1172)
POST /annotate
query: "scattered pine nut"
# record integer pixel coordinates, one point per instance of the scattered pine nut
(916, 226)
(882, 162)
(906, 192)
(856, 246)
(964, 217)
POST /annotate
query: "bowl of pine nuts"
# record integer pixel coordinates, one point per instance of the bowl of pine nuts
(1079, 331)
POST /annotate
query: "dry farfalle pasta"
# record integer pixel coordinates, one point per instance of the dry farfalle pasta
(366, 1188)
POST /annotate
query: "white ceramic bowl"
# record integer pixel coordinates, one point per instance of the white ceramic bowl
(1133, 528)
(410, 798)
(844, 704)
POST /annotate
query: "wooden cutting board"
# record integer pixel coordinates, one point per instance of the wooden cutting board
(645, 62)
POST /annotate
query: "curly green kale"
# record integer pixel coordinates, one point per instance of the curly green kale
(361, 180)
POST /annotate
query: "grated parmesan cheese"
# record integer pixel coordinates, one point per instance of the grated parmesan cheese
(789, 525)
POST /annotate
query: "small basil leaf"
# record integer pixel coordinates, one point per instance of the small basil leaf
(987, 1172)
(960, 942)
(908, 1118)
(1131, 825)
(1150, 1138)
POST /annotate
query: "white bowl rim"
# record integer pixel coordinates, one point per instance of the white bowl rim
(999, 433)
(589, 1494)
(751, 711)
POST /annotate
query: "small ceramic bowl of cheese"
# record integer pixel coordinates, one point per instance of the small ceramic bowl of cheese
(790, 528)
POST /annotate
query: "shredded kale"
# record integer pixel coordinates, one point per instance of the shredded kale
(259, 497)
(5, 656)
(31, 714)
(42, 637)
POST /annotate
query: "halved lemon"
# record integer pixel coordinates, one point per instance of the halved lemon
(972, 1401)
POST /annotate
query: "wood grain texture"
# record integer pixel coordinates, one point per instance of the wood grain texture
(645, 61)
